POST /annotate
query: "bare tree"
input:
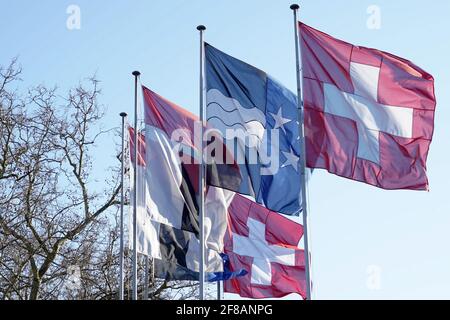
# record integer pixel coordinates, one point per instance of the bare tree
(55, 226)
(45, 169)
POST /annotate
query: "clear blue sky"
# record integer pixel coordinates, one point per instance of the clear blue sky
(405, 234)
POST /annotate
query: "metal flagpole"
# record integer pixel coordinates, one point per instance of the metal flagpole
(146, 278)
(304, 177)
(152, 278)
(219, 290)
(136, 75)
(122, 199)
(201, 196)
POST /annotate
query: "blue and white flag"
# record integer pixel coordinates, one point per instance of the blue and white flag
(257, 118)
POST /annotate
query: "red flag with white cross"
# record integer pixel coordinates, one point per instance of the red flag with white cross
(369, 115)
(267, 245)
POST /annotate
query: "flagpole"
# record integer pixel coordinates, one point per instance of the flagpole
(201, 189)
(136, 75)
(219, 290)
(123, 115)
(152, 278)
(304, 178)
(146, 277)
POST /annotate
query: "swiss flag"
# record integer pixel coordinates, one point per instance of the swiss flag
(369, 115)
(266, 244)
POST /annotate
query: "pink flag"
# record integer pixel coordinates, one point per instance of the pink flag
(368, 114)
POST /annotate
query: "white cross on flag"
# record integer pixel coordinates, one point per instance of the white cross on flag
(266, 244)
(368, 114)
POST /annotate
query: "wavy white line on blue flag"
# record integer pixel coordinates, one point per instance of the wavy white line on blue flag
(257, 117)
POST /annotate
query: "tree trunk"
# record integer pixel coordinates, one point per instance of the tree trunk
(34, 294)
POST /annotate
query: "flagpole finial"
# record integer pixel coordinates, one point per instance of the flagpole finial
(136, 73)
(201, 28)
(295, 6)
(123, 114)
